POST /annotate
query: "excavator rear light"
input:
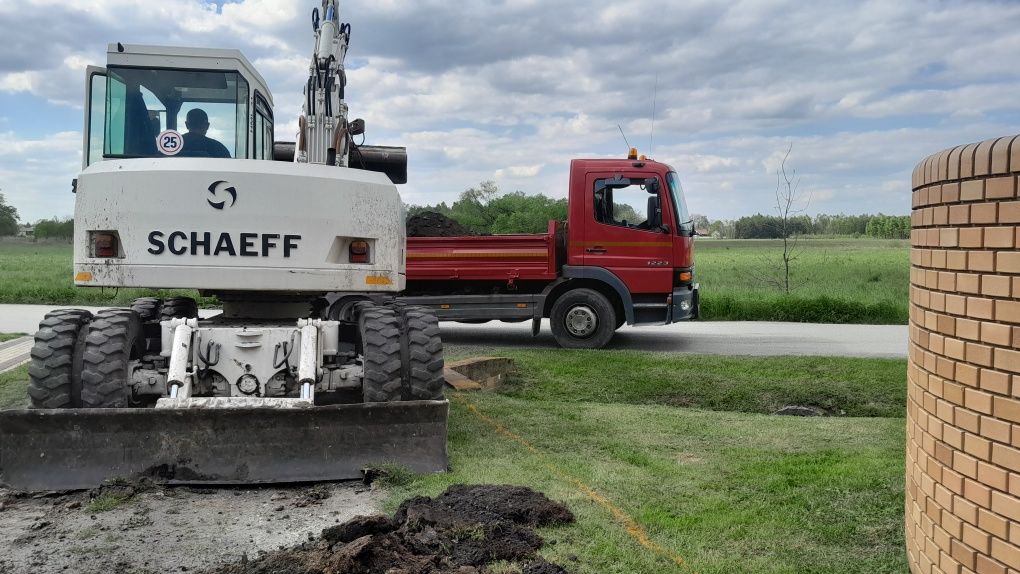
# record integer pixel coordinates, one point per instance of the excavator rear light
(104, 244)
(359, 251)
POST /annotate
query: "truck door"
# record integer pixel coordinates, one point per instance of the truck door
(627, 230)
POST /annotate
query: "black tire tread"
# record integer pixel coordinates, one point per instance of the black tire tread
(113, 336)
(177, 307)
(380, 341)
(598, 302)
(51, 368)
(425, 354)
(148, 308)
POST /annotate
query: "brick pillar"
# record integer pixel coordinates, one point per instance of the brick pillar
(963, 406)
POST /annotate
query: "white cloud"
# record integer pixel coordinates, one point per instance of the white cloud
(514, 90)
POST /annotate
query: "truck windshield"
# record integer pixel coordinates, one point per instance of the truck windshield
(683, 219)
(183, 113)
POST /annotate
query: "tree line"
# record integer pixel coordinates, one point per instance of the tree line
(760, 226)
(483, 210)
(10, 224)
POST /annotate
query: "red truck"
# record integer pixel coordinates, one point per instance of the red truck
(624, 255)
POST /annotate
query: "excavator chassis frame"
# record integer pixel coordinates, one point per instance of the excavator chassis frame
(68, 449)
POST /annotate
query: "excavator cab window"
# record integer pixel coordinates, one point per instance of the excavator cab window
(262, 147)
(143, 105)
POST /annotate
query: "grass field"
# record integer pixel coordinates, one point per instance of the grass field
(834, 280)
(42, 273)
(726, 492)
(723, 492)
(13, 388)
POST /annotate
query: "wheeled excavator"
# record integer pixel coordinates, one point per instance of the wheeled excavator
(183, 187)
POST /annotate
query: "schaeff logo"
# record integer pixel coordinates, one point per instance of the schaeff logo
(241, 244)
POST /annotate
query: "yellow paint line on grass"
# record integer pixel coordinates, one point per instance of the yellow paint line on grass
(631, 526)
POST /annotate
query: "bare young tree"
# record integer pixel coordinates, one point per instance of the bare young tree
(788, 204)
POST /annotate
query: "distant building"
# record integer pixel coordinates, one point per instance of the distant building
(26, 230)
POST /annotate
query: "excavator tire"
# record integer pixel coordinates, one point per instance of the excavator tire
(179, 307)
(147, 308)
(114, 339)
(379, 329)
(424, 355)
(52, 373)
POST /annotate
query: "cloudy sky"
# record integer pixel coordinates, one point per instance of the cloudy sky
(512, 90)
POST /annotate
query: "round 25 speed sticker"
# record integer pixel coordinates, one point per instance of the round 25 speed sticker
(170, 142)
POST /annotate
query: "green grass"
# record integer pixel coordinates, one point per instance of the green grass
(832, 281)
(107, 501)
(43, 273)
(8, 336)
(730, 492)
(848, 386)
(14, 388)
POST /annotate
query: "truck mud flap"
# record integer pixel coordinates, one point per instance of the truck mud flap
(66, 449)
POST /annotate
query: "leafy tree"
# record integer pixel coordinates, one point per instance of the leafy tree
(54, 229)
(8, 218)
(484, 210)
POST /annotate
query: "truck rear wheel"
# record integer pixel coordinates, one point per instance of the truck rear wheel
(53, 377)
(114, 340)
(379, 329)
(583, 319)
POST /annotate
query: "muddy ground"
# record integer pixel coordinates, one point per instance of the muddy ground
(469, 529)
(150, 530)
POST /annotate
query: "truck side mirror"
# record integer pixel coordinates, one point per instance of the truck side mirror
(652, 185)
(654, 216)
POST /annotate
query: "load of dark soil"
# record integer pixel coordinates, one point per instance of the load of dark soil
(432, 224)
(458, 532)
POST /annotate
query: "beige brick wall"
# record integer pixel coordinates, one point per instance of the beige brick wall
(963, 405)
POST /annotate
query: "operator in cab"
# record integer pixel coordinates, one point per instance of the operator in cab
(196, 144)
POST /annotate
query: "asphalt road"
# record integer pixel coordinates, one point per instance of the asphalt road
(710, 337)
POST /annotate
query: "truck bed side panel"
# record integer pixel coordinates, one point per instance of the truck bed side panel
(484, 258)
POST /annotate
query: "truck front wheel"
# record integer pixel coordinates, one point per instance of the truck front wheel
(583, 319)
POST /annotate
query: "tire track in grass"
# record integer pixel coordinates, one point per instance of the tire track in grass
(631, 526)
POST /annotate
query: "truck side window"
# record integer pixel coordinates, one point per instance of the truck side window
(625, 203)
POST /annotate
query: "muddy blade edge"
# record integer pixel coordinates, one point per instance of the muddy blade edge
(65, 449)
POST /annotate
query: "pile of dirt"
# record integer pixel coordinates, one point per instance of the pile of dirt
(432, 224)
(458, 532)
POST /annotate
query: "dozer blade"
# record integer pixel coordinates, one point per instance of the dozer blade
(65, 449)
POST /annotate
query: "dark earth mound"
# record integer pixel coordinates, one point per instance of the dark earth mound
(458, 532)
(432, 224)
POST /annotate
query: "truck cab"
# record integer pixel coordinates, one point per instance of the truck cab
(628, 224)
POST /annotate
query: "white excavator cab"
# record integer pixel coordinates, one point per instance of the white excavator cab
(138, 105)
(181, 187)
(208, 209)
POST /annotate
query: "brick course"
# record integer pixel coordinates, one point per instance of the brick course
(963, 376)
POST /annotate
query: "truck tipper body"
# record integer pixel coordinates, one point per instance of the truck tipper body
(623, 256)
